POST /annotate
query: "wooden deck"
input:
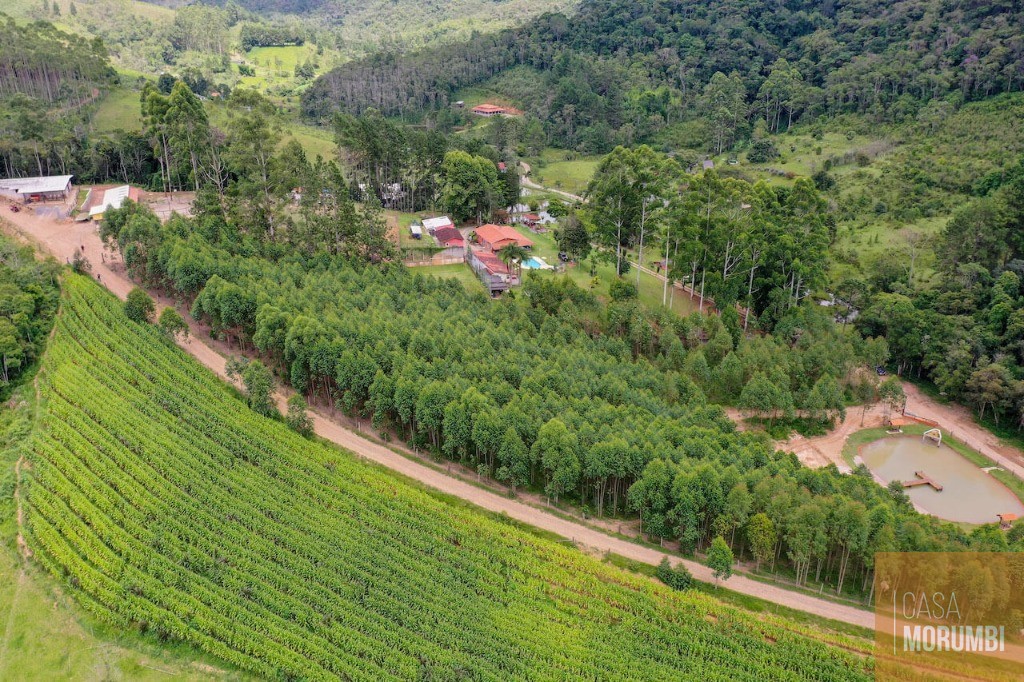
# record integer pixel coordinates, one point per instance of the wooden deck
(923, 479)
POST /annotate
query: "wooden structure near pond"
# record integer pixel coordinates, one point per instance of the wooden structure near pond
(923, 479)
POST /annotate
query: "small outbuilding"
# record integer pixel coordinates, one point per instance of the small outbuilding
(448, 237)
(432, 225)
(416, 230)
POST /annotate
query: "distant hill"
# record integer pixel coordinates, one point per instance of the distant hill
(622, 70)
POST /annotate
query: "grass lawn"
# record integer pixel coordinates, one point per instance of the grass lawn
(119, 109)
(457, 271)
(650, 292)
(401, 221)
(315, 141)
(276, 65)
(564, 170)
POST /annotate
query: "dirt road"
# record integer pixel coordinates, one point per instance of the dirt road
(820, 451)
(954, 420)
(957, 421)
(63, 239)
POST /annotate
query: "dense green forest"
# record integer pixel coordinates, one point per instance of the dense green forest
(169, 507)
(620, 72)
(28, 303)
(966, 333)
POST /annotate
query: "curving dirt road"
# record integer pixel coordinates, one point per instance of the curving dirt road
(526, 181)
(62, 239)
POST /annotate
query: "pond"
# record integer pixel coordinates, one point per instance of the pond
(968, 493)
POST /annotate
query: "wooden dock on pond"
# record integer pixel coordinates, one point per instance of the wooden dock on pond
(923, 479)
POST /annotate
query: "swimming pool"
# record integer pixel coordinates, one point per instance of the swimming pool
(535, 263)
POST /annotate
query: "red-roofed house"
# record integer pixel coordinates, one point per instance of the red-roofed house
(496, 237)
(488, 110)
(449, 237)
(492, 272)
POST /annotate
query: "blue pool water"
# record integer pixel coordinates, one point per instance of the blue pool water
(532, 264)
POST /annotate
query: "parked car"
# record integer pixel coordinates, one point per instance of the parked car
(563, 256)
(881, 371)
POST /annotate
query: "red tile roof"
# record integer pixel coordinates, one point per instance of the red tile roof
(493, 264)
(497, 236)
(448, 235)
(489, 109)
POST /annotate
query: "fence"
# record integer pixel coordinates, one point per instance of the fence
(437, 259)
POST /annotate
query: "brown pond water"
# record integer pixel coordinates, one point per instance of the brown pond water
(968, 493)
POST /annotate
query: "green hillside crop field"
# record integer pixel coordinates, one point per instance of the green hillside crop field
(171, 508)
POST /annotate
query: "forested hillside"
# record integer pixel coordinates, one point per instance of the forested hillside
(966, 333)
(625, 71)
(46, 78)
(169, 507)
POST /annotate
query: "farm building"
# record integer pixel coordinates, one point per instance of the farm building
(448, 237)
(489, 110)
(496, 237)
(416, 230)
(431, 225)
(28, 190)
(492, 272)
(113, 198)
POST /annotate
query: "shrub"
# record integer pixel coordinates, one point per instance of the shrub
(621, 290)
(80, 264)
(761, 151)
(298, 418)
(139, 307)
(678, 578)
(823, 181)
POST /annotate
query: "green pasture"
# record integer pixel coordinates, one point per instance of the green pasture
(119, 109)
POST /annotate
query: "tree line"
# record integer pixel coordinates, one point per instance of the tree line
(730, 240)
(29, 292)
(38, 61)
